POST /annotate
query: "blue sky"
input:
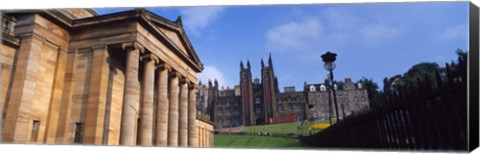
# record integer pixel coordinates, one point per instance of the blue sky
(374, 40)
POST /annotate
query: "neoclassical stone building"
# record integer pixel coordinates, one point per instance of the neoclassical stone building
(73, 76)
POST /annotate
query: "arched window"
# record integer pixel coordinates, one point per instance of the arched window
(312, 88)
(323, 88)
(359, 85)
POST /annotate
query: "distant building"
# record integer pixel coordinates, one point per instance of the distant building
(259, 101)
(352, 96)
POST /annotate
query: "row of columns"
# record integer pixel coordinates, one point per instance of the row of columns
(205, 137)
(175, 111)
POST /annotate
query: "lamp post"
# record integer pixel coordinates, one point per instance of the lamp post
(329, 60)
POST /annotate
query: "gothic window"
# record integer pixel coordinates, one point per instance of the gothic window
(312, 88)
(290, 108)
(35, 129)
(357, 106)
(257, 101)
(280, 109)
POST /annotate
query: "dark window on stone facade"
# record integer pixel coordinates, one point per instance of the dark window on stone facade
(35, 129)
(78, 133)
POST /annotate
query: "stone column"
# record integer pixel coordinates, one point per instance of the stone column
(130, 94)
(183, 115)
(56, 98)
(17, 119)
(97, 94)
(162, 106)
(200, 137)
(192, 114)
(173, 110)
(146, 122)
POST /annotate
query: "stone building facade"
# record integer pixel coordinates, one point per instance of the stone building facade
(75, 77)
(352, 96)
(259, 101)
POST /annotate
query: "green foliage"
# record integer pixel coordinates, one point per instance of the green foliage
(371, 87)
(418, 71)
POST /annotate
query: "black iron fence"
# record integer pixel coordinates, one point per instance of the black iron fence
(423, 116)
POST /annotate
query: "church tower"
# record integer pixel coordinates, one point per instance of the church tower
(212, 98)
(246, 90)
(270, 89)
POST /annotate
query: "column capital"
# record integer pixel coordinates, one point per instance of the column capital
(128, 46)
(192, 86)
(99, 47)
(174, 74)
(150, 56)
(163, 66)
(183, 80)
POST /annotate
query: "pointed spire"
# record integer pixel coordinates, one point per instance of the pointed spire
(241, 65)
(248, 64)
(263, 65)
(179, 21)
(199, 82)
(215, 83)
(270, 59)
(209, 83)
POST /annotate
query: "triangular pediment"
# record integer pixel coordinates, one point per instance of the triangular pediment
(174, 33)
(175, 38)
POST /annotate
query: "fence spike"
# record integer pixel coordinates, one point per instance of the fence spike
(438, 79)
(428, 85)
(419, 86)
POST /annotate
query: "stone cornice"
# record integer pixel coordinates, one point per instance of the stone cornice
(9, 39)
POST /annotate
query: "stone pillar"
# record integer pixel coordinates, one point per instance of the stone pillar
(161, 138)
(97, 94)
(173, 111)
(205, 137)
(146, 122)
(183, 115)
(56, 99)
(130, 94)
(200, 137)
(192, 116)
(17, 119)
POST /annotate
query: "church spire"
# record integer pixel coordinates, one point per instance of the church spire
(270, 59)
(241, 65)
(263, 65)
(248, 64)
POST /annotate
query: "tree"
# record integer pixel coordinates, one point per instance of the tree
(371, 87)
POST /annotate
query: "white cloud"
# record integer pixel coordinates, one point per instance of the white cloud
(455, 32)
(380, 31)
(212, 73)
(293, 35)
(197, 18)
(331, 30)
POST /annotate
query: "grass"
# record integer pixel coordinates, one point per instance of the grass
(284, 128)
(255, 141)
(248, 141)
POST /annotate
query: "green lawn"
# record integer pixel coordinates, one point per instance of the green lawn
(248, 141)
(254, 141)
(284, 128)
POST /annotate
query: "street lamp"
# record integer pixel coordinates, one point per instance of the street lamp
(329, 60)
